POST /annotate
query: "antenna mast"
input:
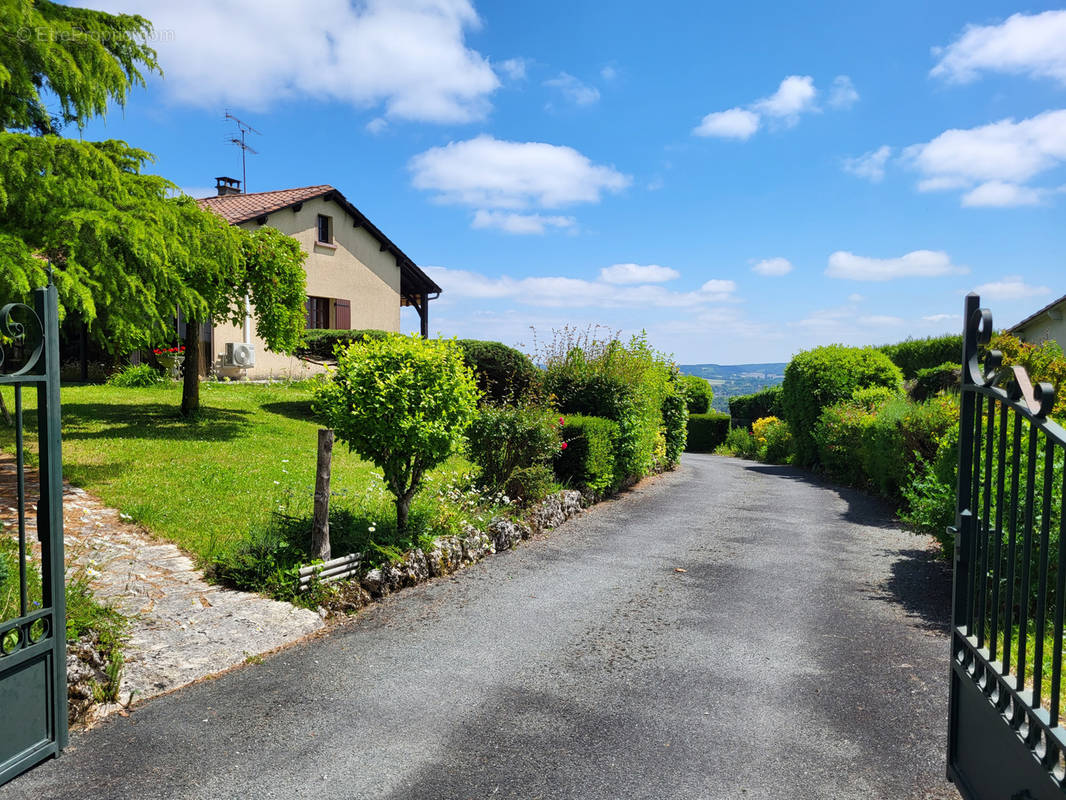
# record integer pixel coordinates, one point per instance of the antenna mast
(245, 148)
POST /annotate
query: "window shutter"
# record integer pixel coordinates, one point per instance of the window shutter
(344, 314)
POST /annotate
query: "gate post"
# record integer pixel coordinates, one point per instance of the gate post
(50, 507)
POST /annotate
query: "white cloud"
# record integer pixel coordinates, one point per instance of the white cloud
(736, 123)
(938, 318)
(1011, 287)
(637, 273)
(869, 165)
(490, 173)
(796, 95)
(510, 222)
(916, 264)
(855, 297)
(1033, 45)
(566, 292)
(377, 125)
(1001, 151)
(408, 55)
(514, 68)
(773, 266)
(843, 93)
(608, 73)
(574, 90)
(793, 97)
(997, 194)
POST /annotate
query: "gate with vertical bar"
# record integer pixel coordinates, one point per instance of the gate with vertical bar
(1005, 738)
(33, 683)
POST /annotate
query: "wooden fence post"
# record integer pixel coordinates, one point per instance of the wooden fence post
(320, 527)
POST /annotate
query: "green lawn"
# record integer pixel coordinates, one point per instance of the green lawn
(205, 484)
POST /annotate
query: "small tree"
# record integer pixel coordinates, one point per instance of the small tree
(403, 403)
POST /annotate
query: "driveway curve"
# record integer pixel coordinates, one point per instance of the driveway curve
(727, 630)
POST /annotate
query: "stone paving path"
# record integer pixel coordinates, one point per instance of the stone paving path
(181, 627)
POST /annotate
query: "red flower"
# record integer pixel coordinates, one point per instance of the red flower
(564, 445)
(562, 421)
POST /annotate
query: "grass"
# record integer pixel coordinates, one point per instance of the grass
(205, 483)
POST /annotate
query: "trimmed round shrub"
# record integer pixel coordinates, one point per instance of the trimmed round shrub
(818, 378)
(504, 375)
(698, 393)
(706, 431)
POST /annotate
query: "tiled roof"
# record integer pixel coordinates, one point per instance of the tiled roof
(236, 208)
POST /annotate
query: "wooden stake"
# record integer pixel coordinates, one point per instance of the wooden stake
(320, 527)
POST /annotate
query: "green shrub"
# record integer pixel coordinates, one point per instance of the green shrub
(675, 424)
(627, 382)
(929, 492)
(587, 462)
(740, 443)
(934, 380)
(137, 376)
(530, 484)
(706, 431)
(402, 402)
(903, 436)
(818, 378)
(773, 440)
(872, 398)
(698, 393)
(321, 342)
(1043, 362)
(746, 408)
(504, 375)
(839, 435)
(916, 354)
(503, 439)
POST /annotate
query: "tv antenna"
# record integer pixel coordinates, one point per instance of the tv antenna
(244, 128)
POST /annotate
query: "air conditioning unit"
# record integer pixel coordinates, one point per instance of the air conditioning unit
(239, 354)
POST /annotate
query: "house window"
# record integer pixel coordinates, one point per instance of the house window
(325, 229)
(317, 313)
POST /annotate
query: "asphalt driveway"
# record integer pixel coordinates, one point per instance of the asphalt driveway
(731, 630)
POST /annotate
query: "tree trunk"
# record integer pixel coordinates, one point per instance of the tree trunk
(190, 389)
(320, 526)
(403, 508)
(3, 410)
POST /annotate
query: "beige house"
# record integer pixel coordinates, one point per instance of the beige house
(356, 276)
(1049, 323)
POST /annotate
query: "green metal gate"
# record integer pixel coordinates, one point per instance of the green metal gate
(1005, 737)
(33, 669)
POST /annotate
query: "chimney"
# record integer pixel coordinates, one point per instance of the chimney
(226, 186)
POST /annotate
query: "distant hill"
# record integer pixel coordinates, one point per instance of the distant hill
(730, 380)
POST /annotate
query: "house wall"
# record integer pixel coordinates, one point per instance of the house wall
(355, 270)
(1044, 328)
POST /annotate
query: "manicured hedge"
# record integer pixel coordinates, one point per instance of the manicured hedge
(588, 461)
(319, 342)
(915, 354)
(746, 408)
(706, 431)
(504, 375)
(818, 378)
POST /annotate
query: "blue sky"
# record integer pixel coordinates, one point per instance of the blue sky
(741, 180)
